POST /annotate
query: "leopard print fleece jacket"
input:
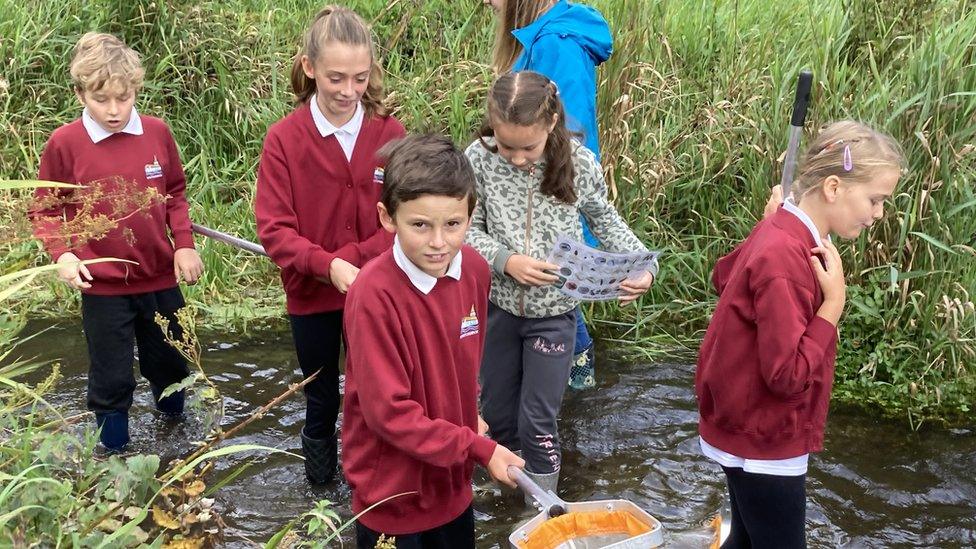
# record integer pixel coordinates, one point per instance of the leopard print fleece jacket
(512, 216)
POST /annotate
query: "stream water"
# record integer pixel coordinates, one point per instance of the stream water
(633, 437)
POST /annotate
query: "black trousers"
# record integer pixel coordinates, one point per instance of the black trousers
(318, 338)
(768, 511)
(112, 325)
(524, 373)
(457, 534)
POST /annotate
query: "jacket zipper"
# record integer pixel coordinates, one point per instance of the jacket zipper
(528, 242)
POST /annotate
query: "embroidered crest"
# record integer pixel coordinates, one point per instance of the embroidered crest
(469, 324)
(154, 170)
(378, 175)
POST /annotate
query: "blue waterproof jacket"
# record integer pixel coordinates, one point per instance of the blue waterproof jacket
(567, 43)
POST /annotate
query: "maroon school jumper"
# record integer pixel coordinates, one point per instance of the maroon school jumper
(148, 160)
(766, 365)
(410, 416)
(312, 205)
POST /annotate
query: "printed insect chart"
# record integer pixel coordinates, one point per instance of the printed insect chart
(589, 274)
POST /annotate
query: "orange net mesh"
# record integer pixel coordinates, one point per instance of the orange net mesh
(716, 525)
(551, 533)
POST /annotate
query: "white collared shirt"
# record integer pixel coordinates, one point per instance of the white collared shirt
(788, 467)
(789, 206)
(346, 135)
(97, 133)
(421, 280)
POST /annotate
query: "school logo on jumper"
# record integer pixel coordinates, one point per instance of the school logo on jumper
(378, 175)
(154, 170)
(469, 324)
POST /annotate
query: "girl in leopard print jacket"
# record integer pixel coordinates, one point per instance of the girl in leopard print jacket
(533, 182)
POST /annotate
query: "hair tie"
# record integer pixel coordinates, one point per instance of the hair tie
(848, 161)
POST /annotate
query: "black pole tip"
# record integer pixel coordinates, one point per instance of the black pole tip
(804, 83)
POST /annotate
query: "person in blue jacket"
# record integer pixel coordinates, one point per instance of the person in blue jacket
(566, 42)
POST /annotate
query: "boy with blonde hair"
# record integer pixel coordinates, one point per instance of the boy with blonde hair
(112, 147)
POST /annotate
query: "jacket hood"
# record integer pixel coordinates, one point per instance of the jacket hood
(581, 23)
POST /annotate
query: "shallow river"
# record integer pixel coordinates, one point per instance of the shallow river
(633, 437)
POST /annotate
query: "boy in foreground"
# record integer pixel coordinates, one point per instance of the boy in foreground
(415, 323)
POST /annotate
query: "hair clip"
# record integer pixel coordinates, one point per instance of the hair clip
(829, 146)
(848, 161)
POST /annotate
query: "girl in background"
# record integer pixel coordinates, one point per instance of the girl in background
(565, 42)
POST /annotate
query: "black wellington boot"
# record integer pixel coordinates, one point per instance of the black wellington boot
(321, 458)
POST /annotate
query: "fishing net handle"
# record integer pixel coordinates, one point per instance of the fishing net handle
(801, 101)
(547, 501)
(229, 239)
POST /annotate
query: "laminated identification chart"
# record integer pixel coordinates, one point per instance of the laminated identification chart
(589, 274)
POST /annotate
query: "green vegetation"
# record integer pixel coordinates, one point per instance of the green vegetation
(694, 110)
(57, 490)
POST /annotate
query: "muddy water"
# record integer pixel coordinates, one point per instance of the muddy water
(634, 437)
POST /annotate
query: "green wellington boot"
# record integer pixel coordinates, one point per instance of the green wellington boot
(583, 373)
(548, 482)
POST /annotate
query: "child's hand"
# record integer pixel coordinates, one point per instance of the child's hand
(831, 281)
(530, 271)
(775, 199)
(72, 272)
(482, 426)
(188, 266)
(501, 458)
(635, 287)
(342, 274)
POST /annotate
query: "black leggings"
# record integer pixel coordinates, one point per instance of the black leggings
(767, 510)
(317, 341)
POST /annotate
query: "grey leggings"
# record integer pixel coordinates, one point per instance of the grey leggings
(524, 374)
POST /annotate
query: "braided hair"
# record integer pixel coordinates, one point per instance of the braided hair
(527, 98)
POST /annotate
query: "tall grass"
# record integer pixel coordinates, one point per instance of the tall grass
(709, 89)
(694, 107)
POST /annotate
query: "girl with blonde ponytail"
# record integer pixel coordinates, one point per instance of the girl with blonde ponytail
(319, 181)
(766, 366)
